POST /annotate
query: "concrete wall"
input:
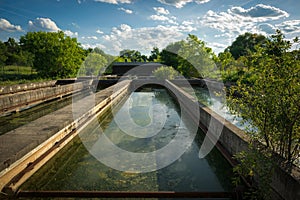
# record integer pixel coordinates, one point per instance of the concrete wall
(20, 100)
(9, 89)
(285, 184)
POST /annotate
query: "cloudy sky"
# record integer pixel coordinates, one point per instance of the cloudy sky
(114, 25)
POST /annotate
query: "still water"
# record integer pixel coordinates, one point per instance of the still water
(217, 103)
(77, 168)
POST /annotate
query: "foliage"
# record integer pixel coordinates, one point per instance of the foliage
(169, 55)
(196, 60)
(164, 72)
(155, 55)
(92, 65)
(55, 55)
(3, 50)
(132, 55)
(271, 103)
(257, 168)
(190, 57)
(12, 74)
(244, 44)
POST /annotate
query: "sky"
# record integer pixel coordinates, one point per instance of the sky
(115, 25)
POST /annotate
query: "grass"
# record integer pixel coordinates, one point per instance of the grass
(11, 74)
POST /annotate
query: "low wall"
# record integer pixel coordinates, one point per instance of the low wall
(9, 89)
(285, 184)
(20, 100)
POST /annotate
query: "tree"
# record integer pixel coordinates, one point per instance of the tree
(155, 55)
(164, 72)
(169, 55)
(55, 55)
(196, 60)
(271, 103)
(3, 56)
(132, 55)
(93, 64)
(245, 43)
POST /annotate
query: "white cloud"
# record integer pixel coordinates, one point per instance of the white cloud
(7, 26)
(290, 27)
(181, 3)
(260, 12)
(42, 24)
(217, 45)
(267, 28)
(70, 33)
(114, 1)
(90, 37)
(162, 18)
(88, 45)
(202, 1)
(238, 20)
(99, 31)
(143, 39)
(126, 10)
(161, 10)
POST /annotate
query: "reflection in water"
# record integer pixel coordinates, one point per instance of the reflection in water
(217, 104)
(74, 168)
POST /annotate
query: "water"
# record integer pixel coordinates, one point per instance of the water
(75, 168)
(217, 104)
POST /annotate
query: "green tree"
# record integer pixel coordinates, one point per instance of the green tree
(164, 72)
(155, 55)
(13, 52)
(169, 55)
(55, 55)
(93, 65)
(245, 43)
(271, 103)
(3, 56)
(132, 56)
(196, 60)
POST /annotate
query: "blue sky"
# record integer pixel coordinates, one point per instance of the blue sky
(114, 25)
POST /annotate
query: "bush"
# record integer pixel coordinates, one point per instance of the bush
(165, 72)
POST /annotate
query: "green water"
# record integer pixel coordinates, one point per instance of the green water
(74, 168)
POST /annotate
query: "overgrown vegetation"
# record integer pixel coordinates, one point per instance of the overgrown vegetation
(270, 104)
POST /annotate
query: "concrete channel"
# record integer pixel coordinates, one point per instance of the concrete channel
(25, 149)
(29, 147)
(16, 98)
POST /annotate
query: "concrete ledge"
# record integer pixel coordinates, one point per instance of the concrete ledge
(20, 100)
(24, 150)
(10, 89)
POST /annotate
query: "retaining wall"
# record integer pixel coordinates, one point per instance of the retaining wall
(285, 184)
(9, 89)
(20, 100)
